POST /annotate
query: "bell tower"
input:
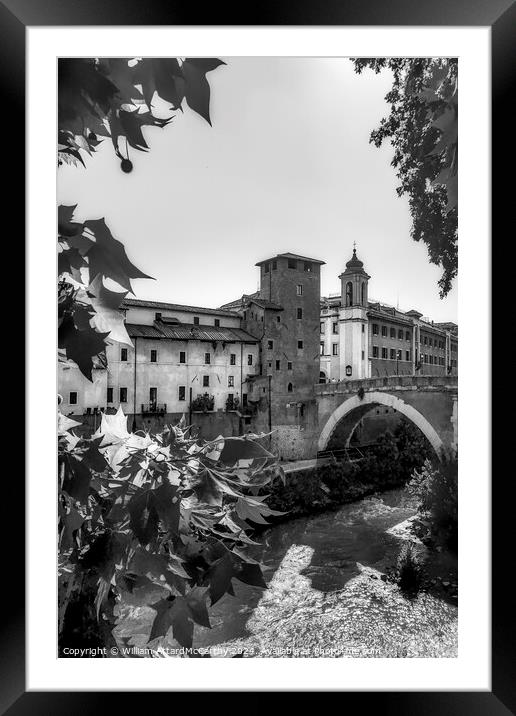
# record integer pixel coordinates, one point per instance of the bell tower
(354, 334)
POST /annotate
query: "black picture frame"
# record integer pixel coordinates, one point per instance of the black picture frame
(500, 16)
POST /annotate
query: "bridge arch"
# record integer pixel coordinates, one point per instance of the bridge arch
(354, 408)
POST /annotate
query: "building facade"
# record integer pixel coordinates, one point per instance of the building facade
(251, 365)
(360, 338)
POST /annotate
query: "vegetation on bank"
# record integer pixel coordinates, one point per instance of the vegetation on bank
(435, 487)
(389, 464)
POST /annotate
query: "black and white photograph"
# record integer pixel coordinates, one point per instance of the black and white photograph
(257, 357)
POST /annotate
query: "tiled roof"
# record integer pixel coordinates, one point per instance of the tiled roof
(139, 303)
(291, 256)
(187, 332)
(266, 304)
(238, 301)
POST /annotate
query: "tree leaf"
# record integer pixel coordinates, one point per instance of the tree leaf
(241, 448)
(107, 256)
(197, 89)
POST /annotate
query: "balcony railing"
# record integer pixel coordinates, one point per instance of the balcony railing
(155, 408)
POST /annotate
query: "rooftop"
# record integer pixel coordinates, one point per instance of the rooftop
(291, 256)
(187, 332)
(141, 303)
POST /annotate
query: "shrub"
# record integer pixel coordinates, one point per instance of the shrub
(435, 487)
(409, 570)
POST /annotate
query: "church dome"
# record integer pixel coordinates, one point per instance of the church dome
(354, 263)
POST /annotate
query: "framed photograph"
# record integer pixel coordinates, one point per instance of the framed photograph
(270, 228)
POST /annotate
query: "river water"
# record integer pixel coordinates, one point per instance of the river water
(324, 574)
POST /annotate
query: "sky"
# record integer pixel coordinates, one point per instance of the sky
(285, 166)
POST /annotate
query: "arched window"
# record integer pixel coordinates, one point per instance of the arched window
(290, 388)
(363, 294)
(349, 294)
(322, 377)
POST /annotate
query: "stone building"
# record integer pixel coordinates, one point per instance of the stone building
(251, 365)
(361, 338)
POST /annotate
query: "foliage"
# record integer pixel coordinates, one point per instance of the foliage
(409, 571)
(204, 402)
(435, 486)
(109, 98)
(140, 514)
(116, 97)
(422, 128)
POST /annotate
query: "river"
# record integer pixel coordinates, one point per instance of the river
(326, 594)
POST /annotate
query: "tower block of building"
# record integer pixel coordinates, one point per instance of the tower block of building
(354, 344)
(284, 316)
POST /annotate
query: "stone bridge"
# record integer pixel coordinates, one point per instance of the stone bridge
(430, 402)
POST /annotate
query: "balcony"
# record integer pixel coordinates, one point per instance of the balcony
(154, 408)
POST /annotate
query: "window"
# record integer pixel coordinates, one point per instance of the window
(362, 294)
(207, 358)
(289, 365)
(307, 266)
(206, 381)
(123, 395)
(292, 264)
(182, 392)
(393, 332)
(400, 335)
(278, 365)
(269, 364)
(182, 356)
(399, 355)
(266, 267)
(321, 345)
(363, 328)
(72, 398)
(250, 359)
(154, 356)
(196, 320)
(245, 315)
(299, 290)
(278, 319)
(407, 335)
(244, 396)
(274, 267)
(153, 396)
(363, 355)
(157, 316)
(384, 331)
(425, 340)
(216, 322)
(335, 328)
(392, 354)
(290, 388)
(322, 327)
(384, 352)
(407, 355)
(335, 349)
(123, 354)
(300, 345)
(375, 351)
(270, 345)
(110, 395)
(232, 359)
(349, 294)
(300, 313)
(375, 329)
(231, 381)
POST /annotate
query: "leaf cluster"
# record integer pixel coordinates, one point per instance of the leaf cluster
(116, 98)
(422, 129)
(142, 514)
